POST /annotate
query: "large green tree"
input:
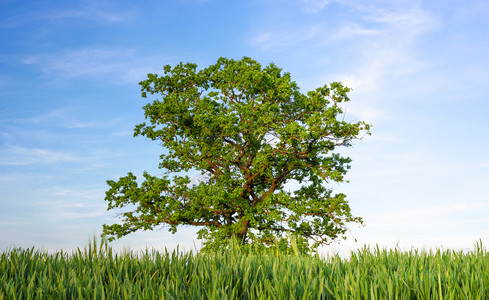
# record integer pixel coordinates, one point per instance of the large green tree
(248, 131)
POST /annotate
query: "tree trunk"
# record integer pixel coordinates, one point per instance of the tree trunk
(244, 230)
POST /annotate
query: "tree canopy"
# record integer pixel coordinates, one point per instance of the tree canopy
(247, 131)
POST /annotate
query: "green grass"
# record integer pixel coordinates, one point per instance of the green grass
(99, 273)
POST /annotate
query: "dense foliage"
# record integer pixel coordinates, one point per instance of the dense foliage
(99, 273)
(248, 131)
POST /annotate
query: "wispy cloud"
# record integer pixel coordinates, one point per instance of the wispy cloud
(389, 50)
(81, 62)
(119, 66)
(17, 155)
(62, 117)
(62, 216)
(91, 12)
(436, 213)
(354, 30)
(314, 6)
(381, 42)
(277, 39)
(381, 45)
(94, 11)
(411, 22)
(72, 204)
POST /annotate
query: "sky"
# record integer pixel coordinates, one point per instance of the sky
(69, 100)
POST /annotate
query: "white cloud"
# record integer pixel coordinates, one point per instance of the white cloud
(77, 194)
(63, 117)
(354, 30)
(411, 22)
(315, 6)
(384, 52)
(277, 39)
(381, 44)
(362, 111)
(134, 74)
(98, 11)
(422, 227)
(16, 155)
(120, 66)
(68, 204)
(91, 12)
(81, 62)
(437, 213)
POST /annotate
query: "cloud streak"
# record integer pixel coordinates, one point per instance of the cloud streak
(81, 62)
(389, 50)
(314, 6)
(94, 11)
(19, 156)
(119, 66)
(70, 204)
(434, 212)
(277, 39)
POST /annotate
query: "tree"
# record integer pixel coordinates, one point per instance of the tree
(248, 130)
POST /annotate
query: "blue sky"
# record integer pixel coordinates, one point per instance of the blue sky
(69, 99)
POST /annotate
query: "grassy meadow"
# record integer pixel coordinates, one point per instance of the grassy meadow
(97, 272)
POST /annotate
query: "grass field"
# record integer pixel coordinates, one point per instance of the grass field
(97, 272)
